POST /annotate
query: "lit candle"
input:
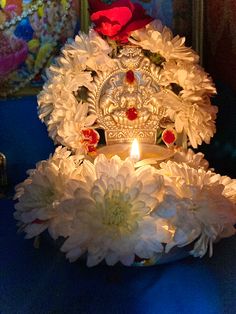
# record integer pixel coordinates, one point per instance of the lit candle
(135, 153)
(143, 155)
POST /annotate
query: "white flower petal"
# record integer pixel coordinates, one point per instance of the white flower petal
(111, 258)
(128, 259)
(74, 254)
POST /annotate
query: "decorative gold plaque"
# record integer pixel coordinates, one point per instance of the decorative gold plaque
(125, 99)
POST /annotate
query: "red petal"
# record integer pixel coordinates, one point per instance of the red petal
(118, 19)
(139, 12)
(111, 21)
(133, 25)
(139, 20)
(107, 28)
(122, 15)
(91, 136)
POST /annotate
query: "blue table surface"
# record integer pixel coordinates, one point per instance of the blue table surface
(43, 281)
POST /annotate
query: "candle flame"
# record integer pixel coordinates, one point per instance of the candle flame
(135, 153)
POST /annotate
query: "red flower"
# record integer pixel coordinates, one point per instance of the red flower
(119, 19)
(91, 139)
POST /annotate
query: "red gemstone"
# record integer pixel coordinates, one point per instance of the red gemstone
(130, 78)
(169, 136)
(132, 113)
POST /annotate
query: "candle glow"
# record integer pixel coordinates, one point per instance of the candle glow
(135, 153)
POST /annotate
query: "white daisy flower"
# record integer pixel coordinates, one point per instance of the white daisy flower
(70, 130)
(158, 39)
(40, 194)
(197, 205)
(112, 219)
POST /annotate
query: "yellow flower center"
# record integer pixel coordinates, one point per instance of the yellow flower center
(117, 209)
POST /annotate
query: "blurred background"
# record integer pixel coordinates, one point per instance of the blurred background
(32, 33)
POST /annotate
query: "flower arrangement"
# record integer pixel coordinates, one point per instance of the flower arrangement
(124, 210)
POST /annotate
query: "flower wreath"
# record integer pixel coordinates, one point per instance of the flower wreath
(186, 87)
(112, 209)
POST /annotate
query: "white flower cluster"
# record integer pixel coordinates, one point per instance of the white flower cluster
(66, 114)
(40, 195)
(117, 210)
(191, 110)
(111, 210)
(59, 108)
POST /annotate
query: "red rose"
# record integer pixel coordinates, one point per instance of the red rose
(118, 19)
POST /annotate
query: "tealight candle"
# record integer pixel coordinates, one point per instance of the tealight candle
(141, 154)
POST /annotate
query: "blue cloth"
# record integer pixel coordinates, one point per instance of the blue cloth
(42, 281)
(23, 138)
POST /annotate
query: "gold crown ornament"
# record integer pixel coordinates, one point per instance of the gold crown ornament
(126, 103)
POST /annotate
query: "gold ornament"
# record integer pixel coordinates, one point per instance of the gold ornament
(125, 99)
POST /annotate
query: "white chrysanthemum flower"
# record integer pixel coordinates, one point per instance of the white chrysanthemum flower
(112, 219)
(195, 120)
(91, 51)
(230, 187)
(191, 159)
(194, 81)
(196, 123)
(197, 205)
(58, 106)
(64, 115)
(57, 102)
(158, 39)
(40, 194)
(70, 130)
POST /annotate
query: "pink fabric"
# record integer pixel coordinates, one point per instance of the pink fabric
(9, 62)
